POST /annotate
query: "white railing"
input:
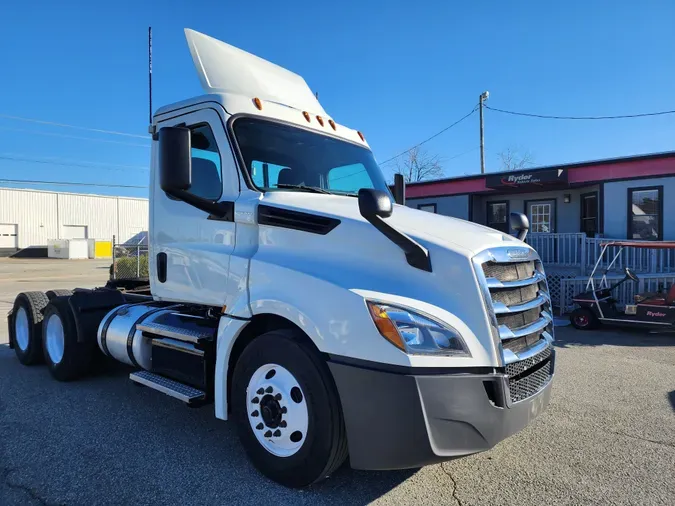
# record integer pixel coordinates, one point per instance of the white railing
(577, 250)
(624, 294)
(560, 249)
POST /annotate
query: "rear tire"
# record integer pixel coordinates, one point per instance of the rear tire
(66, 358)
(301, 437)
(58, 293)
(26, 320)
(584, 319)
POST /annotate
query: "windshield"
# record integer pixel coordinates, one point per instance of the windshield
(283, 157)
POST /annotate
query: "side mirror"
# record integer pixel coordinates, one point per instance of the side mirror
(399, 189)
(520, 224)
(175, 162)
(374, 203)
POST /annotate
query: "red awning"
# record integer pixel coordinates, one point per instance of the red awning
(641, 244)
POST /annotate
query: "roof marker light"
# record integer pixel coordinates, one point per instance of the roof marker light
(306, 115)
(257, 103)
(362, 137)
(332, 124)
(320, 120)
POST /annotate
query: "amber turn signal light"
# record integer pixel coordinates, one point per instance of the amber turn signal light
(385, 326)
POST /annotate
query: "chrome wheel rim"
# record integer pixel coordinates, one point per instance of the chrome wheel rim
(277, 410)
(21, 329)
(54, 338)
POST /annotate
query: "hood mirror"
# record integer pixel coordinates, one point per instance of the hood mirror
(374, 203)
(520, 224)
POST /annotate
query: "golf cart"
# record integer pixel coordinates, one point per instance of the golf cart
(654, 311)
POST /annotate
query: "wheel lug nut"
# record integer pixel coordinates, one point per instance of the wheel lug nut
(260, 391)
(259, 426)
(268, 433)
(255, 413)
(283, 424)
(277, 397)
(269, 390)
(277, 433)
(255, 400)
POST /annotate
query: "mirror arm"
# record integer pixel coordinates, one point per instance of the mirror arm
(223, 211)
(416, 254)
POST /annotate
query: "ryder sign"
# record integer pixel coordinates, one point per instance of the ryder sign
(528, 178)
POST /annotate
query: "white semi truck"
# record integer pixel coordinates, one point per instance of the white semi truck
(288, 290)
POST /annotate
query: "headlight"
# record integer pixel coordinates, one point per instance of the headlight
(414, 333)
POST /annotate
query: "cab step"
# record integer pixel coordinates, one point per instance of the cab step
(180, 391)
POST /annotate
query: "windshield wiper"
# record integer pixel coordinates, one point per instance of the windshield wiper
(313, 189)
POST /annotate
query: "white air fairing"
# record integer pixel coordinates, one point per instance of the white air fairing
(223, 68)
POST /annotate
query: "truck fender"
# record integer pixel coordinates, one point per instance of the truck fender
(229, 330)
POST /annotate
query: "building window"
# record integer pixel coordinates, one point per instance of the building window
(541, 214)
(645, 213)
(589, 213)
(431, 208)
(497, 216)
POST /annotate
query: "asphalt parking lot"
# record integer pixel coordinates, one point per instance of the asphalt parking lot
(608, 436)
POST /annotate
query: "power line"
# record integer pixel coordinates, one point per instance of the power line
(66, 163)
(52, 134)
(545, 116)
(68, 183)
(52, 123)
(432, 137)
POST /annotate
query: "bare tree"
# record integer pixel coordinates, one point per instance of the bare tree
(515, 159)
(418, 165)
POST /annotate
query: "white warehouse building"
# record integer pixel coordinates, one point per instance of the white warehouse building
(29, 218)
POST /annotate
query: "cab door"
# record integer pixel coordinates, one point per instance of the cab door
(189, 249)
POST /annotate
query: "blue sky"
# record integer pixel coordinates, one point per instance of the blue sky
(398, 73)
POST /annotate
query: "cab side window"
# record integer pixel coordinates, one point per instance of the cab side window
(207, 179)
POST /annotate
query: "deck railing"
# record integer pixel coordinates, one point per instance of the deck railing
(577, 250)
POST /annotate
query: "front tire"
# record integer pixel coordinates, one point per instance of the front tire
(584, 319)
(287, 410)
(67, 359)
(27, 326)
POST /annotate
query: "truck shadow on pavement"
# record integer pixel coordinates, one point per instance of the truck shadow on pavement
(103, 440)
(671, 398)
(569, 336)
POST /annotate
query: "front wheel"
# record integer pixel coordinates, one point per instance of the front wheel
(584, 319)
(287, 410)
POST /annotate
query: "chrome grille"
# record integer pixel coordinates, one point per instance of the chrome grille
(515, 320)
(509, 271)
(517, 296)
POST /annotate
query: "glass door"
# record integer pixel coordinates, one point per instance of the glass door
(541, 214)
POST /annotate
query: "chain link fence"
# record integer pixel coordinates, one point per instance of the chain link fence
(130, 259)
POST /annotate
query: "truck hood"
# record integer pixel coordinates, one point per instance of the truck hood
(459, 235)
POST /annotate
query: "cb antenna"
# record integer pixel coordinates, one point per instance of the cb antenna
(150, 74)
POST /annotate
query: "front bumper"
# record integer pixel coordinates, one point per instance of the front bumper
(398, 420)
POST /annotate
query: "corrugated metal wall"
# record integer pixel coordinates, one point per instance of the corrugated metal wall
(41, 216)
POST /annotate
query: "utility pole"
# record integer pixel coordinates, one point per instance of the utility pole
(483, 97)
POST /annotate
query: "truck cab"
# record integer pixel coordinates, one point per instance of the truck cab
(289, 290)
